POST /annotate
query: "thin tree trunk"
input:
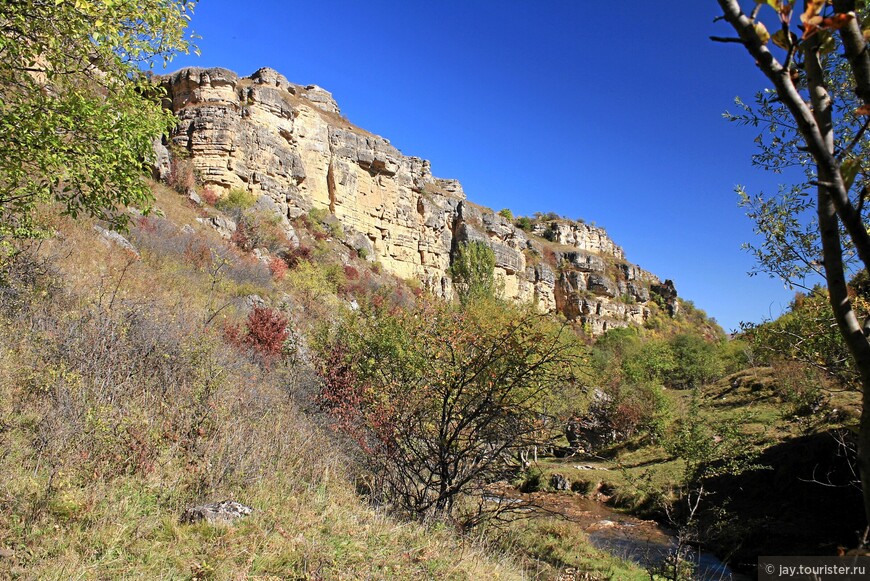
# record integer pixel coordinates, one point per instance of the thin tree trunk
(832, 251)
(834, 205)
(849, 328)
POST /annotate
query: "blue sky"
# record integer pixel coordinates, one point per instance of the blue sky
(610, 112)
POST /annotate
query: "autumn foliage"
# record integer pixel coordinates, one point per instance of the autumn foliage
(441, 398)
(265, 332)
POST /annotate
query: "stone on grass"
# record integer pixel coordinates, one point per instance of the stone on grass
(226, 512)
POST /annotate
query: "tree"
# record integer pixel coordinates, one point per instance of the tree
(473, 270)
(77, 113)
(441, 398)
(815, 119)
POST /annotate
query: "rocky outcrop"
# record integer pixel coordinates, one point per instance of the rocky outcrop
(289, 145)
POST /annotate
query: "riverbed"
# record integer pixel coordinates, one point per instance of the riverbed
(644, 542)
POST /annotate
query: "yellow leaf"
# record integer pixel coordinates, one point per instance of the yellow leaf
(848, 170)
(814, 7)
(761, 31)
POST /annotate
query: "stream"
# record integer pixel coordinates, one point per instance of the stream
(644, 542)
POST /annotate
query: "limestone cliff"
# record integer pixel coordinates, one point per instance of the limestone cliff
(289, 143)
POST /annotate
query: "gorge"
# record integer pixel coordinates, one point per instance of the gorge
(289, 146)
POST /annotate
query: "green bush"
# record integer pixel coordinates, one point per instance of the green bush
(524, 223)
(696, 362)
(531, 480)
(236, 201)
(441, 397)
(473, 270)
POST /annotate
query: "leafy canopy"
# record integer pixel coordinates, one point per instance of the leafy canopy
(77, 114)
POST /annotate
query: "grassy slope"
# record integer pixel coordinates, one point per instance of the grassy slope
(118, 408)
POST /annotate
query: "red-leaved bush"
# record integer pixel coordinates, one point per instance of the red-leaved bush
(240, 237)
(350, 272)
(209, 196)
(265, 332)
(297, 255)
(277, 267)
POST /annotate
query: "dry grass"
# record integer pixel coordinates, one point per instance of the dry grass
(119, 407)
(121, 403)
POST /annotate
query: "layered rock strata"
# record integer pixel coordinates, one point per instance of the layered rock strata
(289, 144)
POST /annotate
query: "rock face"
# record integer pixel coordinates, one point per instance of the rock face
(288, 144)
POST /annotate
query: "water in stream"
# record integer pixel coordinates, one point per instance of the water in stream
(628, 537)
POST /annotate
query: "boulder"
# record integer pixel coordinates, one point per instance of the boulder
(224, 512)
(559, 482)
(110, 237)
(224, 226)
(161, 168)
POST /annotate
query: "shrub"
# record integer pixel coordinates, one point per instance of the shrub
(800, 386)
(297, 255)
(266, 331)
(531, 480)
(240, 237)
(350, 272)
(182, 176)
(197, 253)
(236, 201)
(262, 230)
(318, 215)
(473, 270)
(648, 361)
(696, 362)
(446, 394)
(524, 223)
(506, 213)
(209, 196)
(277, 267)
(640, 408)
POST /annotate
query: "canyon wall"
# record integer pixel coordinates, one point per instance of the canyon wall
(289, 144)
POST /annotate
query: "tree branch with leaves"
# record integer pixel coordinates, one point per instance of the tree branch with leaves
(825, 98)
(78, 113)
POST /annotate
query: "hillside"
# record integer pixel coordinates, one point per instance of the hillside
(133, 389)
(289, 146)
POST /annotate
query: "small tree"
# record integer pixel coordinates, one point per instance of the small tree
(442, 398)
(473, 270)
(814, 118)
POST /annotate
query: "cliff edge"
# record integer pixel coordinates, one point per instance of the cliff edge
(289, 143)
